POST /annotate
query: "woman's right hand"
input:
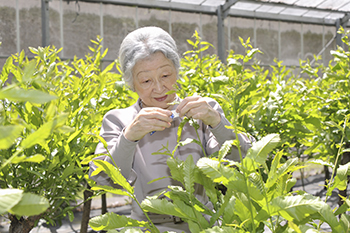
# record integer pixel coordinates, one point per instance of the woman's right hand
(148, 120)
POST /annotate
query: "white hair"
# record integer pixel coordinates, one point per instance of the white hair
(142, 43)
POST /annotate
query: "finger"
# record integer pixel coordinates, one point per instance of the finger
(146, 125)
(158, 114)
(193, 107)
(159, 124)
(185, 101)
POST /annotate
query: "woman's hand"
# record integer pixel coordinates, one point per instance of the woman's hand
(197, 108)
(148, 120)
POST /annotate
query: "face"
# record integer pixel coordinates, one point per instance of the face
(153, 77)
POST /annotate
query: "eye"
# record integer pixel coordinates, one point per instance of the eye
(166, 76)
(146, 81)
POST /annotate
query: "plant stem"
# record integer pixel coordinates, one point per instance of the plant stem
(335, 164)
(134, 198)
(11, 158)
(243, 167)
(205, 154)
(145, 213)
(268, 206)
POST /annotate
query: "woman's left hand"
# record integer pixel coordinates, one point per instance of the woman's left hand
(197, 108)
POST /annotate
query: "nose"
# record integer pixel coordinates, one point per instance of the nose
(158, 87)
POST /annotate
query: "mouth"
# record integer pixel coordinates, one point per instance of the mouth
(161, 99)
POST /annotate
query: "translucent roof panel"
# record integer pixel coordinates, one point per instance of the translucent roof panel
(335, 5)
(316, 14)
(252, 6)
(313, 3)
(270, 9)
(195, 2)
(213, 3)
(324, 12)
(346, 7)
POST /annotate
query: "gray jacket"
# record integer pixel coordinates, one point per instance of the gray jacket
(139, 165)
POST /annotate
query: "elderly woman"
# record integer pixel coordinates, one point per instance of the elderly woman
(150, 64)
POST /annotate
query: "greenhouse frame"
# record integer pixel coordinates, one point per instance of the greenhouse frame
(287, 30)
(321, 12)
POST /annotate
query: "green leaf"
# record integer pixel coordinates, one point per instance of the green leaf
(179, 130)
(89, 158)
(274, 165)
(346, 150)
(223, 229)
(114, 173)
(236, 65)
(9, 134)
(206, 182)
(70, 215)
(283, 169)
(225, 148)
(111, 221)
(30, 204)
(43, 132)
(258, 183)
(301, 207)
(102, 140)
(213, 170)
(345, 222)
(17, 94)
(73, 135)
(186, 142)
(252, 52)
(338, 54)
(259, 151)
(220, 79)
(108, 68)
(111, 190)
(176, 168)
(191, 213)
(320, 162)
(178, 193)
(161, 206)
(341, 178)
(9, 198)
(67, 171)
(65, 129)
(126, 230)
(229, 204)
(343, 208)
(37, 158)
(190, 42)
(189, 177)
(29, 70)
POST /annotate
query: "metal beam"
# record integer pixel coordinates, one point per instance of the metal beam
(221, 40)
(165, 5)
(212, 10)
(18, 34)
(341, 22)
(222, 13)
(338, 36)
(226, 7)
(45, 27)
(345, 19)
(281, 17)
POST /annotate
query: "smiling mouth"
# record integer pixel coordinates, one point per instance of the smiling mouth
(160, 99)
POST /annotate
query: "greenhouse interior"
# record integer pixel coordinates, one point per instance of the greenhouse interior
(242, 123)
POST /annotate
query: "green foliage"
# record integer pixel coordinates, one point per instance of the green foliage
(49, 110)
(291, 115)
